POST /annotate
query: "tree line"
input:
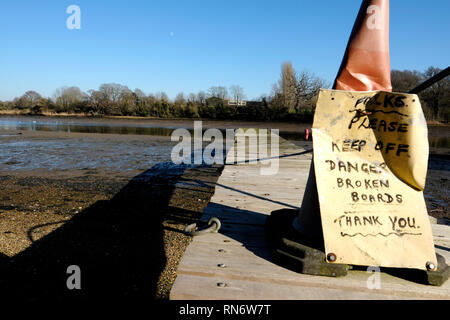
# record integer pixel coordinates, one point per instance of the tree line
(293, 98)
(435, 100)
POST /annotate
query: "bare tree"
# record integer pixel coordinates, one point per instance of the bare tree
(28, 100)
(162, 96)
(307, 89)
(32, 96)
(192, 98)
(218, 92)
(237, 92)
(223, 93)
(127, 101)
(436, 97)
(288, 86)
(179, 98)
(112, 91)
(67, 97)
(201, 97)
(403, 81)
(97, 101)
(139, 93)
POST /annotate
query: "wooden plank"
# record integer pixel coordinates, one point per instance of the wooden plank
(247, 267)
(225, 239)
(242, 201)
(248, 260)
(201, 287)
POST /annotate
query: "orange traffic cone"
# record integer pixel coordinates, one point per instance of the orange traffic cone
(298, 236)
(365, 67)
(366, 63)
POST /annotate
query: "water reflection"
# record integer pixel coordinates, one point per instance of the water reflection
(82, 128)
(439, 142)
(439, 137)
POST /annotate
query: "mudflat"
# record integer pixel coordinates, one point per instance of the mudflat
(106, 203)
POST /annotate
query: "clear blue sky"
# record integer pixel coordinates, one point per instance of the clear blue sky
(188, 46)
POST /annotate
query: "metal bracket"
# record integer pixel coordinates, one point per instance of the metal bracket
(213, 226)
(442, 273)
(298, 254)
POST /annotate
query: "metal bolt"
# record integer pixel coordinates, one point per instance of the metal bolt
(222, 250)
(431, 266)
(221, 284)
(331, 257)
(222, 265)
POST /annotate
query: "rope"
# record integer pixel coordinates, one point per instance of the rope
(213, 226)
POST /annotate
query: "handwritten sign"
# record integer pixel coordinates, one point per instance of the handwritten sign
(370, 160)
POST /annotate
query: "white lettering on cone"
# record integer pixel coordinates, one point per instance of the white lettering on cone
(374, 20)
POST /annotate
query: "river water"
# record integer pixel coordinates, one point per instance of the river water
(439, 136)
(33, 143)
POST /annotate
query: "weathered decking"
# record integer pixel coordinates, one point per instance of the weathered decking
(235, 263)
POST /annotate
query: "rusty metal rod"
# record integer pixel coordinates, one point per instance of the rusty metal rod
(438, 77)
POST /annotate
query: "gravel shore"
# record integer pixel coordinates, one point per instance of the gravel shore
(126, 236)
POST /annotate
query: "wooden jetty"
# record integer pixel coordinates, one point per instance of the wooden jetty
(236, 263)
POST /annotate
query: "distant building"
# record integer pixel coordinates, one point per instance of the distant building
(232, 102)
